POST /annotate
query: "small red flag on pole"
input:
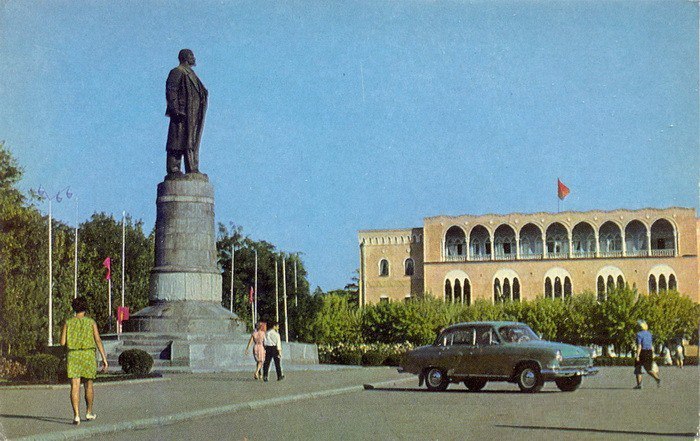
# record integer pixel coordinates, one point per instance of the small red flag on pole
(562, 190)
(108, 264)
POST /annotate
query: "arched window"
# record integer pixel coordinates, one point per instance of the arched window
(662, 282)
(547, 288)
(384, 268)
(557, 288)
(663, 242)
(531, 242)
(506, 289)
(409, 267)
(567, 287)
(457, 292)
(516, 290)
(496, 290)
(652, 283)
(620, 282)
(480, 243)
(636, 238)
(557, 240)
(448, 291)
(455, 243)
(601, 288)
(610, 239)
(611, 284)
(467, 292)
(672, 283)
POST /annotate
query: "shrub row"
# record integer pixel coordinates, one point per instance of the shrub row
(49, 368)
(629, 361)
(580, 319)
(375, 354)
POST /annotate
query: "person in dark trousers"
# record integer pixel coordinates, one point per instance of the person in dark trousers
(273, 350)
(645, 355)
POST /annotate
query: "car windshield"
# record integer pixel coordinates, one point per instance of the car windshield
(517, 334)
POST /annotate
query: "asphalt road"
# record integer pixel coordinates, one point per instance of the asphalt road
(604, 408)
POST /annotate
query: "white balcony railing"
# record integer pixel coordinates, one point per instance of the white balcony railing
(456, 258)
(663, 253)
(530, 256)
(583, 254)
(637, 253)
(504, 257)
(611, 254)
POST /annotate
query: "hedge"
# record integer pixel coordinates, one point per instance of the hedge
(580, 319)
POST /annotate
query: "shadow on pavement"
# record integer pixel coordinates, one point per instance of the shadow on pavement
(448, 391)
(66, 421)
(589, 430)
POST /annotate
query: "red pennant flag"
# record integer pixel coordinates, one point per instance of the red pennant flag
(108, 264)
(562, 190)
(250, 295)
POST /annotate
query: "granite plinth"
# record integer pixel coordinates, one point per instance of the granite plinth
(187, 317)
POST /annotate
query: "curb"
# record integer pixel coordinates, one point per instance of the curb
(201, 413)
(95, 384)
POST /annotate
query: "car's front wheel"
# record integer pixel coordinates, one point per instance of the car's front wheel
(529, 378)
(569, 384)
(435, 379)
(475, 384)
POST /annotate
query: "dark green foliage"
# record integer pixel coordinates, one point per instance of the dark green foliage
(580, 319)
(44, 368)
(373, 358)
(135, 362)
(350, 357)
(629, 361)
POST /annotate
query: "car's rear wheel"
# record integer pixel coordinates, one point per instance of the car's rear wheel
(569, 384)
(529, 378)
(475, 384)
(435, 379)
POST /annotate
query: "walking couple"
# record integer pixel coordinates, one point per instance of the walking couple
(267, 346)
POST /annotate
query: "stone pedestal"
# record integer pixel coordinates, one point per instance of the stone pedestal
(185, 283)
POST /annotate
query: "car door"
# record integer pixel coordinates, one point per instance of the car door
(486, 356)
(467, 350)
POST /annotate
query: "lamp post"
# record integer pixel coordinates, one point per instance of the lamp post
(41, 192)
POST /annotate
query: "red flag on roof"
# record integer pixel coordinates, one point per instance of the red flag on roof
(250, 295)
(108, 264)
(562, 190)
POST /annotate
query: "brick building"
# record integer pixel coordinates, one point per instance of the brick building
(522, 256)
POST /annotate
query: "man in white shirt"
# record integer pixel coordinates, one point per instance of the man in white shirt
(273, 350)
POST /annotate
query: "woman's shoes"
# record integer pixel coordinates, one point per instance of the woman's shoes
(255, 376)
(90, 416)
(76, 420)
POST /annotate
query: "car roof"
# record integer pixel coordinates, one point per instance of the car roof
(496, 324)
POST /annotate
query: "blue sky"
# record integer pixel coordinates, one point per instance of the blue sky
(326, 118)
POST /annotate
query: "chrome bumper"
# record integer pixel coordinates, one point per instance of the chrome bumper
(549, 374)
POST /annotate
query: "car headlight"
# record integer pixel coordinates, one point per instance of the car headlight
(559, 357)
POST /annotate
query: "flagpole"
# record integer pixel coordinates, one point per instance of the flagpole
(284, 295)
(75, 257)
(50, 279)
(277, 297)
(233, 251)
(255, 300)
(123, 252)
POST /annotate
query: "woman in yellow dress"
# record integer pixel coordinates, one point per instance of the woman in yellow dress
(80, 335)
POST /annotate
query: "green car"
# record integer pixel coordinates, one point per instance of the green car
(479, 352)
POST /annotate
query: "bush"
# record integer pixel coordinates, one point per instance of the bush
(629, 361)
(135, 362)
(373, 358)
(43, 367)
(10, 369)
(350, 357)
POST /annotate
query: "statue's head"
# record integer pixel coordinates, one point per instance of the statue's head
(187, 56)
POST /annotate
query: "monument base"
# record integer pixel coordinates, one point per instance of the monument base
(185, 317)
